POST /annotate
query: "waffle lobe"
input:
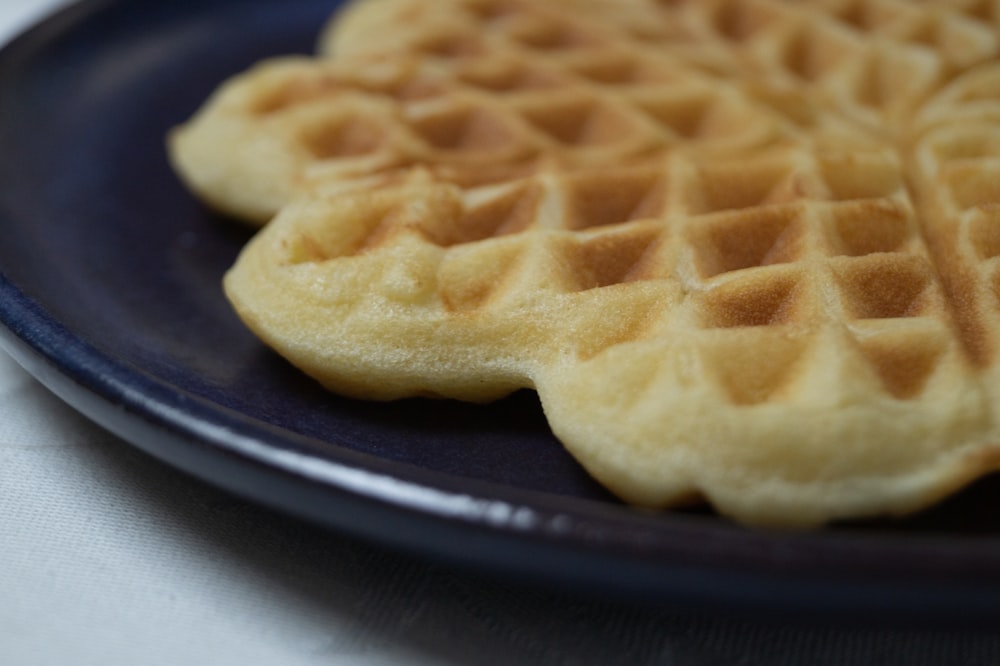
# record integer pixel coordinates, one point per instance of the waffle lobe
(746, 252)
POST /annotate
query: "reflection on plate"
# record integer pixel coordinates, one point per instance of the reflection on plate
(109, 291)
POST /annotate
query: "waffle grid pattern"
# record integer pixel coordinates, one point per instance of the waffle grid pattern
(802, 214)
(861, 255)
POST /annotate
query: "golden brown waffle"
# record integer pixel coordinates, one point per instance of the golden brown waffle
(746, 252)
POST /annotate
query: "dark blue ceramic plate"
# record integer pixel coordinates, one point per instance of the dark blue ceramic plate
(109, 292)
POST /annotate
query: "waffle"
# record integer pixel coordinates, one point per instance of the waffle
(746, 252)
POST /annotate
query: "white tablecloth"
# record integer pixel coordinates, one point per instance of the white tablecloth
(109, 557)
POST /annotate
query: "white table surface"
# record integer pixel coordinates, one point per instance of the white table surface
(109, 557)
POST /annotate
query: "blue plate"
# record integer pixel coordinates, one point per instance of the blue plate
(109, 294)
